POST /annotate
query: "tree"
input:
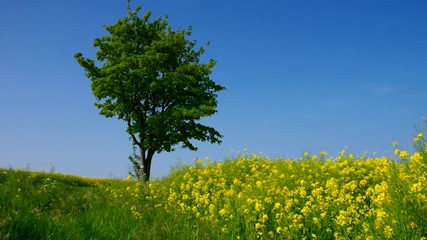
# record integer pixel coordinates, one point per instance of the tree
(152, 78)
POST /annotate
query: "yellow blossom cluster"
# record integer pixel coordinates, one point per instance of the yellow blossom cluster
(312, 197)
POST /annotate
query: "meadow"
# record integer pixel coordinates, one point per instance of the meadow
(248, 197)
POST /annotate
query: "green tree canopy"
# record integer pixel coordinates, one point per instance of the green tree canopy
(152, 78)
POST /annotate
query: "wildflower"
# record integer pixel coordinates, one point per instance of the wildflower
(381, 216)
(236, 181)
(258, 206)
(240, 195)
(397, 152)
(305, 210)
(222, 212)
(359, 199)
(316, 221)
(279, 230)
(277, 206)
(264, 218)
(403, 154)
(230, 193)
(417, 187)
(417, 158)
(211, 208)
(363, 182)
(388, 232)
(199, 162)
(365, 227)
(343, 218)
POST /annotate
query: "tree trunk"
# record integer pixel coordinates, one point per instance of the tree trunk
(146, 163)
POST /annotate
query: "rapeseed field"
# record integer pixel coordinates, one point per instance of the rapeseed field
(313, 197)
(249, 197)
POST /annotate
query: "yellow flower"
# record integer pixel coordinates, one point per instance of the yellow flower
(316, 221)
(365, 227)
(417, 158)
(396, 152)
(417, 187)
(305, 210)
(264, 218)
(404, 154)
(222, 212)
(388, 232)
(258, 206)
(343, 218)
(279, 230)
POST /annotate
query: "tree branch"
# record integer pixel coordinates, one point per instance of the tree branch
(135, 140)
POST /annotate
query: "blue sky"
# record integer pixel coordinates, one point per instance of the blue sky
(305, 75)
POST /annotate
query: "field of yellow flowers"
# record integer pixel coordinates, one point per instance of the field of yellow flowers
(313, 197)
(249, 197)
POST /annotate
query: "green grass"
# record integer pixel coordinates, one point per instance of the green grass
(52, 206)
(37, 205)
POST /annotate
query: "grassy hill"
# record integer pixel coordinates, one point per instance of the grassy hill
(249, 197)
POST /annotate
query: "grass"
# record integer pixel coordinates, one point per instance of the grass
(249, 197)
(37, 205)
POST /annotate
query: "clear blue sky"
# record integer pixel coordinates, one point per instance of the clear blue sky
(300, 75)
